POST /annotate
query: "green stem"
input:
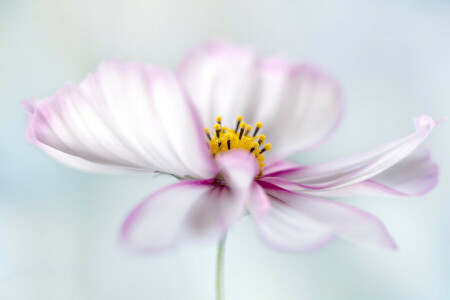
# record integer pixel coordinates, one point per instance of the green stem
(219, 270)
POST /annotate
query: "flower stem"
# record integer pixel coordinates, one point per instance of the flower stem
(219, 269)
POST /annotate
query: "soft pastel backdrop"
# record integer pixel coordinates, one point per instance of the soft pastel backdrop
(58, 227)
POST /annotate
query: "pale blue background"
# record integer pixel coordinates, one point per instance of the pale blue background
(58, 227)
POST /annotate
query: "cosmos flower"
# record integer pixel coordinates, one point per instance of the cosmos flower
(223, 124)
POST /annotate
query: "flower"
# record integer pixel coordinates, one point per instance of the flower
(140, 118)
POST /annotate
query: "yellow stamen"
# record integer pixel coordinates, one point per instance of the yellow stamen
(258, 127)
(207, 133)
(262, 138)
(243, 125)
(217, 129)
(249, 127)
(267, 147)
(225, 139)
(254, 146)
(239, 119)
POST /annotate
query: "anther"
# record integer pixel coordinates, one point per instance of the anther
(207, 133)
(262, 138)
(258, 127)
(218, 144)
(227, 137)
(249, 127)
(239, 119)
(217, 129)
(267, 147)
(254, 146)
(219, 120)
(243, 126)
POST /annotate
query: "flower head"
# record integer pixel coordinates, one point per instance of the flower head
(141, 118)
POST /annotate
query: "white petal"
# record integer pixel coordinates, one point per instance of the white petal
(183, 211)
(360, 167)
(286, 229)
(415, 175)
(239, 169)
(221, 80)
(123, 117)
(300, 222)
(299, 105)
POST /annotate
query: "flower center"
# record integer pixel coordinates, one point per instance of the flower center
(224, 139)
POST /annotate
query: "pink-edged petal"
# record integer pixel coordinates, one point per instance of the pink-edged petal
(179, 212)
(284, 228)
(415, 175)
(258, 204)
(298, 217)
(239, 168)
(299, 105)
(125, 116)
(363, 166)
(221, 79)
(275, 165)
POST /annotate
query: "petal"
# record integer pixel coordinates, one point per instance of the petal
(239, 169)
(275, 165)
(300, 219)
(123, 117)
(258, 203)
(415, 175)
(299, 105)
(362, 166)
(184, 210)
(284, 228)
(221, 79)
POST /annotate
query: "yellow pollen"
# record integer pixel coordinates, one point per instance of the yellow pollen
(249, 127)
(217, 129)
(207, 133)
(226, 139)
(262, 139)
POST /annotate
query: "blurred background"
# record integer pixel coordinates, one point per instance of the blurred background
(58, 227)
